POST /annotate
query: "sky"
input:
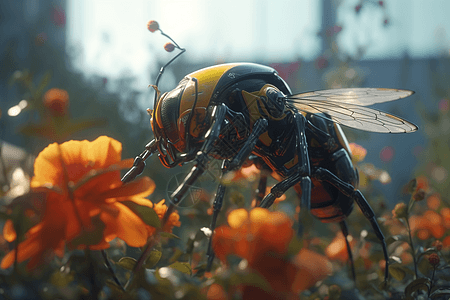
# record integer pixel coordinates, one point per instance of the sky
(111, 38)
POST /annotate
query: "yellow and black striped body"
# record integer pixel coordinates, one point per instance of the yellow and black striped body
(250, 92)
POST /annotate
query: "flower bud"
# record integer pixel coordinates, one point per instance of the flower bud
(438, 245)
(334, 292)
(400, 211)
(434, 259)
(169, 47)
(152, 26)
(56, 101)
(419, 195)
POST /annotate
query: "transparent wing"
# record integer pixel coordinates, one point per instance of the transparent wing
(346, 107)
(357, 96)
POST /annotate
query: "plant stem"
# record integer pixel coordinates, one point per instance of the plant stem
(108, 265)
(412, 248)
(150, 244)
(431, 283)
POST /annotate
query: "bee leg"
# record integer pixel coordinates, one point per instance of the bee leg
(259, 127)
(370, 215)
(202, 160)
(261, 191)
(139, 162)
(344, 230)
(305, 203)
(349, 190)
(217, 206)
(279, 189)
(304, 170)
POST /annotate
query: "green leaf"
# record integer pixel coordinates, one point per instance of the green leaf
(183, 267)
(91, 237)
(424, 266)
(412, 201)
(396, 238)
(418, 284)
(153, 258)
(295, 245)
(411, 186)
(394, 260)
(397, 272)
(71, 127)
(176, 255)
(41, 86)
(439, 293)
(250, 278)
(147, 214)
(127, 263)
(169, 235)
(117, 291)
(61, 279)
(372, 237)
(426, 252)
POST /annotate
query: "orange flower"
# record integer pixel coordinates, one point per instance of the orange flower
(445, 213)
(431, 223)
(251, 172)
(57, 101)
(174, 219)
(216, 292)
(337, 249)
(358, 152)
(262, 238)
(250, 235)
(87, 203)
(422, 183)
(434, 201)
(446, 242)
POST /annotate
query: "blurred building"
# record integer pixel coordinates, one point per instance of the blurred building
(32, 37)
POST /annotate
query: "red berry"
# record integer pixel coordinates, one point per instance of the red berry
(169, 47)
(152, 26)
(358, 8)
(434, 259)
(380, 3)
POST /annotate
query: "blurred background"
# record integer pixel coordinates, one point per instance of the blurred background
(102, 54)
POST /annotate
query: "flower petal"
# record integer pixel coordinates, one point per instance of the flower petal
(126, 226)
(104, 151)
(28, 248)
(8, 231)
(138, 188)
(237, 217)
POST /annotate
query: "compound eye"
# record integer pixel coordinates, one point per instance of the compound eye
(170, 110)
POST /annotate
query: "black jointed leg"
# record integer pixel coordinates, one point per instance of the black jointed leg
(304, 169)
(261, 191)
(348, 190)
(344, 230)
(279, 189)
(139, 162)
(259, 128)
(305, 203)
(302, 145)
(201, 161)
(217, 206)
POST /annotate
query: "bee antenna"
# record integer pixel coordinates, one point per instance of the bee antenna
(161, 71)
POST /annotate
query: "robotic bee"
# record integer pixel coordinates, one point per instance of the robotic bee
(235, 111)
